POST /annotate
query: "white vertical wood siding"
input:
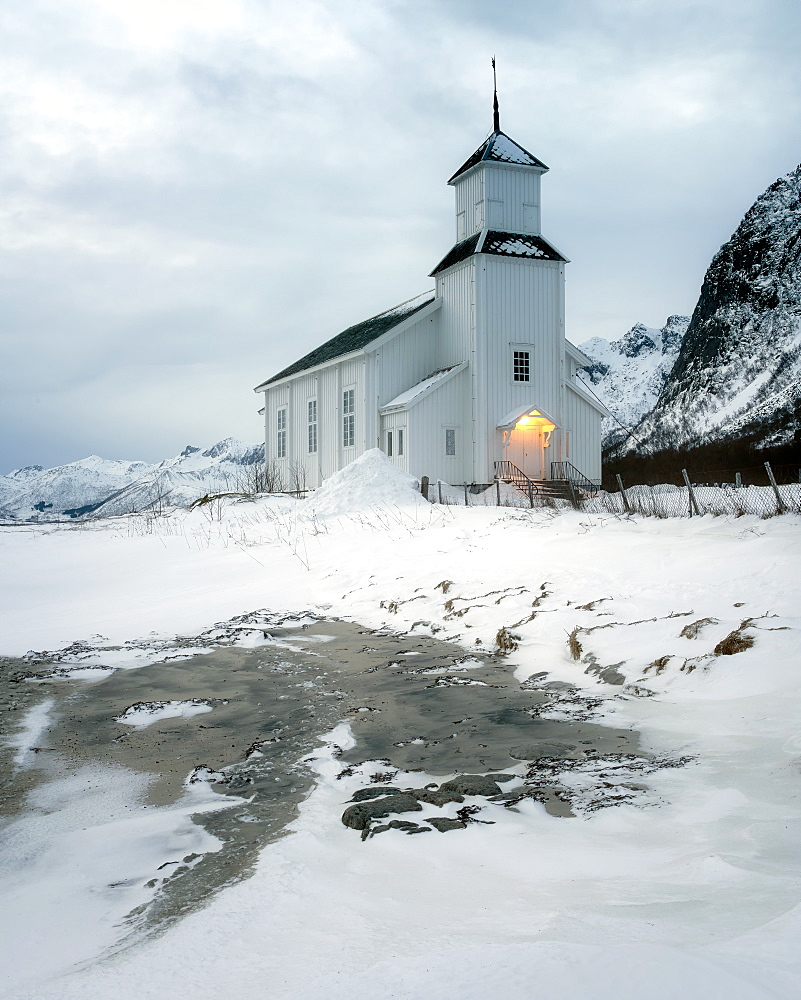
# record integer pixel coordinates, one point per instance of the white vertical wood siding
(494, 196)
(469, 193)
(326, 385)
(405, 360)
(447, 407)
(457, 317)
(375, 376)
(583, 422)
(394, 422)
(514, 189)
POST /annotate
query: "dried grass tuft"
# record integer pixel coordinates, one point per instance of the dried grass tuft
(506, 641)
(735, 642)
(575, 647)
(693, 630)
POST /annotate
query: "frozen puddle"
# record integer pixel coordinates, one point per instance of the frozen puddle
(183, 770)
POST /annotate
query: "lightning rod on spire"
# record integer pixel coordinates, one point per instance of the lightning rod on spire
(496, 115)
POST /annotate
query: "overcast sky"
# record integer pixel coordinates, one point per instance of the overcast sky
(197, 192)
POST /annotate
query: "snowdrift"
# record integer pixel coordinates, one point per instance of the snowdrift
(369, 481)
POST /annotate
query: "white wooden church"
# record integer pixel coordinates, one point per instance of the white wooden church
(470, 382)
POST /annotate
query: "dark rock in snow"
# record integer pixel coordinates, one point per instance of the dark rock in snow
(471, 784)
(396, 824)
(358, 816)
(443, 824)
(374, 792)
(436, 796)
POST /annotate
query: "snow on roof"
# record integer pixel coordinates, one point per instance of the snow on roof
(519, 245)
(428, 384)
(355, 337)
(577, 354)
(502, 149)
(500, 244)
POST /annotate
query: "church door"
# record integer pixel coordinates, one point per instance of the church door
(526, 451)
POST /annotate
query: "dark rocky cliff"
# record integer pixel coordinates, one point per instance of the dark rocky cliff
(738, 370)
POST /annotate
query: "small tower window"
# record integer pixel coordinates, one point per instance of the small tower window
(521, 366)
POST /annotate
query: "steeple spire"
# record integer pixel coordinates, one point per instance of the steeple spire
(496, 115)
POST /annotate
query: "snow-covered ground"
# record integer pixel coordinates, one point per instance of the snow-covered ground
(696, 895)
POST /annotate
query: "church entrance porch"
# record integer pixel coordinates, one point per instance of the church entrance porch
(527, 443)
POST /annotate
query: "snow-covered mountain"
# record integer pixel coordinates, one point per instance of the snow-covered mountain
(738, 371)
(628, 374)
(103, 487)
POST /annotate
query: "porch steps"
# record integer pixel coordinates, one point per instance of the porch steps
(542, 489)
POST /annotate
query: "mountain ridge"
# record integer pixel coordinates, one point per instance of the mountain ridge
(95, 485)
(737, 374)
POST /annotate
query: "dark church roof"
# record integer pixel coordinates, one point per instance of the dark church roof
(355, 337)
(500, 244)
(500, 148)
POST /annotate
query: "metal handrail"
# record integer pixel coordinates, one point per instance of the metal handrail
(568, 471)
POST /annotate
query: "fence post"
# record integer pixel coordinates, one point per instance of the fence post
(439, 489)
(424, 487)
(623, 494)
(693, 502)
(779, 501)
(498, 491)
(465, 496)
(530, 495)
(738, 480)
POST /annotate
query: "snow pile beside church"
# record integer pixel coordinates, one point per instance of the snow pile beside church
(368, 482)
(628, 374)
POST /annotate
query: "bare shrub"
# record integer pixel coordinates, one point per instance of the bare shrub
(297, 477)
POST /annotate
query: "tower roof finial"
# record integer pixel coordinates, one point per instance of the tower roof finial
(496, 115)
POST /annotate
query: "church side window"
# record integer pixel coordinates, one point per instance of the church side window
(389, 444)
(312, 426)
(450, 442)
(348, 418)
(280, 425)
(521, 366)
(400, 442)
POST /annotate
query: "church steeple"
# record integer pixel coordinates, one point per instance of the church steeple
(499, 147)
